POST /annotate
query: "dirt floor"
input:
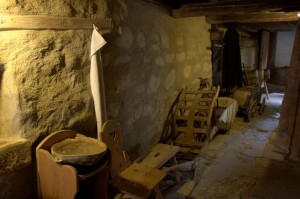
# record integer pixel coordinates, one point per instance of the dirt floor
(237, 165)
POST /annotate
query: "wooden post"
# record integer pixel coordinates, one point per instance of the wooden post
(289, 124)
(264, 50)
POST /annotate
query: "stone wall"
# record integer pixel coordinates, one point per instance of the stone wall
(44, 81)
(44, 75)
(149, 58)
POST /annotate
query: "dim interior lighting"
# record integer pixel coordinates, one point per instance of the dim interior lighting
(298, 14)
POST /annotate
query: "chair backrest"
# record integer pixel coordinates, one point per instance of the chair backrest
(113, 137)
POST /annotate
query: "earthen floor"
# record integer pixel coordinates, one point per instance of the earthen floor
(237, 165)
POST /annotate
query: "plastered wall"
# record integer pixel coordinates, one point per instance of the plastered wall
(284, 47)
(284, 42)
(149, 58)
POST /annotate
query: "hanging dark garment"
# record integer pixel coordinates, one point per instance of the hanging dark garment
(231, 69)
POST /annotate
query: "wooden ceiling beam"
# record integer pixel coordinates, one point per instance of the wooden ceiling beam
(233, 6)
(258, 17)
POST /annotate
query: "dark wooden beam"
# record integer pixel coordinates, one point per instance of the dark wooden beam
(261, 17)
(36, 22)
(233, 6)
(289, 123)
(264, 50)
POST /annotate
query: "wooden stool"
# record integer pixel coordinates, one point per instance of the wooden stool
(128, 178)
(139, 180)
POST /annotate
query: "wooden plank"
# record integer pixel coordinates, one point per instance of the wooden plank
(35, 22)
(55, 180)
(264, 50)
(138, 180)
(198, 107)
(212, 106)
(196, 130)
(289, 128)
(159, 155)
(216, 36)
(261, 17)
(186, 141)
(197, 118)
(202, 99)
(55, 137)
(112, 135)
(232, 6)
(200, 92)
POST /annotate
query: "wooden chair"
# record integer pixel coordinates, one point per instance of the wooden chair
(64, 181)
(142, 177)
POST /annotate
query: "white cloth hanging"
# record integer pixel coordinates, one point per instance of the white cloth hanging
(96, 79)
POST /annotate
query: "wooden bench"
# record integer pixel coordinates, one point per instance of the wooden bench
(142, 177)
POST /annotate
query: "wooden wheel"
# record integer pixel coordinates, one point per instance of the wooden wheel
(251, 109)
(262, 106)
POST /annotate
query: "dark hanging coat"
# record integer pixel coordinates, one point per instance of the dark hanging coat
(231, 69)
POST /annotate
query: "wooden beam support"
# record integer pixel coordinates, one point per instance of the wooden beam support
(232, 6)
(289, 123)
(264, 50)
(260, 17)
(35, 22)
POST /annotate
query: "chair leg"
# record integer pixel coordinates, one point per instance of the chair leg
(157, 192)
(177, 176)
(267, 92)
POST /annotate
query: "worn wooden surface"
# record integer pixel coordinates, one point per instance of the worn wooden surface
(55, 180)
(231, 6)
(35, 22)
(113, 137)
(259, 17)
(138, 180)
(159, 155)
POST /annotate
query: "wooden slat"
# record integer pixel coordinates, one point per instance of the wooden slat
(196, 118)
(201, 92)
(198, 107)
(202, 99)
(212, 105)
(55, 180)
(201, 130)
(35, 22)
(261, 17)
(196, 130)
(187, 141)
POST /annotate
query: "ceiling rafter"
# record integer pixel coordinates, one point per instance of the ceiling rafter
(255, 17)
(233, 6)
